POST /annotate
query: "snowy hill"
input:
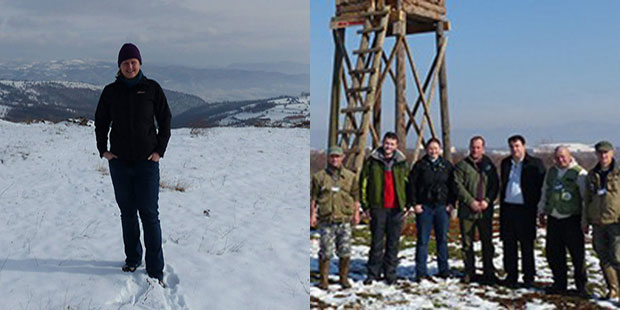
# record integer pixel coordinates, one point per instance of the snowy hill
(284, 111)
(234, 221)
(210, 84)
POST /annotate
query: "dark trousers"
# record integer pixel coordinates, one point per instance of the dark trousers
(561, 235)
(518, 230)
(485, 231)
(385, 227)
(436, 217)
(136, 187)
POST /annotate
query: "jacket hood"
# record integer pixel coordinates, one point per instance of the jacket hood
(378, 155)
(573, 163)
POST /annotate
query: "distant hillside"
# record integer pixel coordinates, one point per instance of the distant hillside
(237, 82)
(59, 100)
(283, 111)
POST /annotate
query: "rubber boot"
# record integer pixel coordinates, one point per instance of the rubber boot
(611, 277)
(324, 273)
(344, 272)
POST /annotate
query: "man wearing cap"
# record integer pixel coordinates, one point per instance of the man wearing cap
(560, 208)
(602, 211)
(334, 206)
(383, 185)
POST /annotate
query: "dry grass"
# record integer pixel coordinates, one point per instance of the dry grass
(178, 186)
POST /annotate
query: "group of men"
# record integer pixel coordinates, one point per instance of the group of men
(566, 198)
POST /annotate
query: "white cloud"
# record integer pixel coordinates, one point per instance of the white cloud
(200, 33)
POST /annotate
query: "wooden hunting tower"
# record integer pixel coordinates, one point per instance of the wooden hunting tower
(361, 81)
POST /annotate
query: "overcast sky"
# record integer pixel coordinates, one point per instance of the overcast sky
(201, 33)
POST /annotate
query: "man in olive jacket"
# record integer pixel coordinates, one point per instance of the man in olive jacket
(522, 179)
(602, 211)
(383, 186)
(477, 185)
(334, 206)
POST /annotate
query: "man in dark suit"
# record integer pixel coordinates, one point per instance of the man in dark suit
(522, 176)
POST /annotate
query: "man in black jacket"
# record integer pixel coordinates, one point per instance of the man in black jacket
(522, 178)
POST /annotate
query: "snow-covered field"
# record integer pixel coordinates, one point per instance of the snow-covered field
(233, 210)
(448, 293)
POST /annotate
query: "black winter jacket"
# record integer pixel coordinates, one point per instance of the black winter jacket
(532, 178)
(131, 111)
(431, 183)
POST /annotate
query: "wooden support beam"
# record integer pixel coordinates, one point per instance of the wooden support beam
(334, 116)
(418, 84)
(443, 94)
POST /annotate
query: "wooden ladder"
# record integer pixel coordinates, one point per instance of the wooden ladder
(361, 94)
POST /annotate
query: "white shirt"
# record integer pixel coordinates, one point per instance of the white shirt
(513, 193)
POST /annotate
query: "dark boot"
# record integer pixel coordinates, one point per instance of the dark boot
(324, 273)
(344, 272)
(611, 277)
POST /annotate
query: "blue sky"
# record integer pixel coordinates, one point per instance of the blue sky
(547, 69)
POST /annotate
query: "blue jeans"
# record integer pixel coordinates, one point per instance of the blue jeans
(434, 216)
(136, 188)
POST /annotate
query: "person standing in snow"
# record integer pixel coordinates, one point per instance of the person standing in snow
(131, 104)
(602, 211)
(334, 206)
(522, 179)
(560, 209)
(383, 199)
(432, 194)
(477, 185)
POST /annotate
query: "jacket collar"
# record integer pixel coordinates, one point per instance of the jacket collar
(614, 167)
(484, 160)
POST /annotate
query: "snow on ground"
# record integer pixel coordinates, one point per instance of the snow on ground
(233, 210)
(449, 293)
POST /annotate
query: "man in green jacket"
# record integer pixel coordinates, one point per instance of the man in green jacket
(477, 187)
(383, 185)
(602, 211)
(334, 206)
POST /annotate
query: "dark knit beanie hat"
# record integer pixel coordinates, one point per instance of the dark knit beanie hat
(128, 51)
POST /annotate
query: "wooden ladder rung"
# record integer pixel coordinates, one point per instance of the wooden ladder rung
(368, 50)
(354, 109)
(360, 89)
(365, 70)
(376, 13)
(373, 29)
(350, 131)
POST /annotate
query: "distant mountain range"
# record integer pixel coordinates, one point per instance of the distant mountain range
(240, 81)
(60, 100)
